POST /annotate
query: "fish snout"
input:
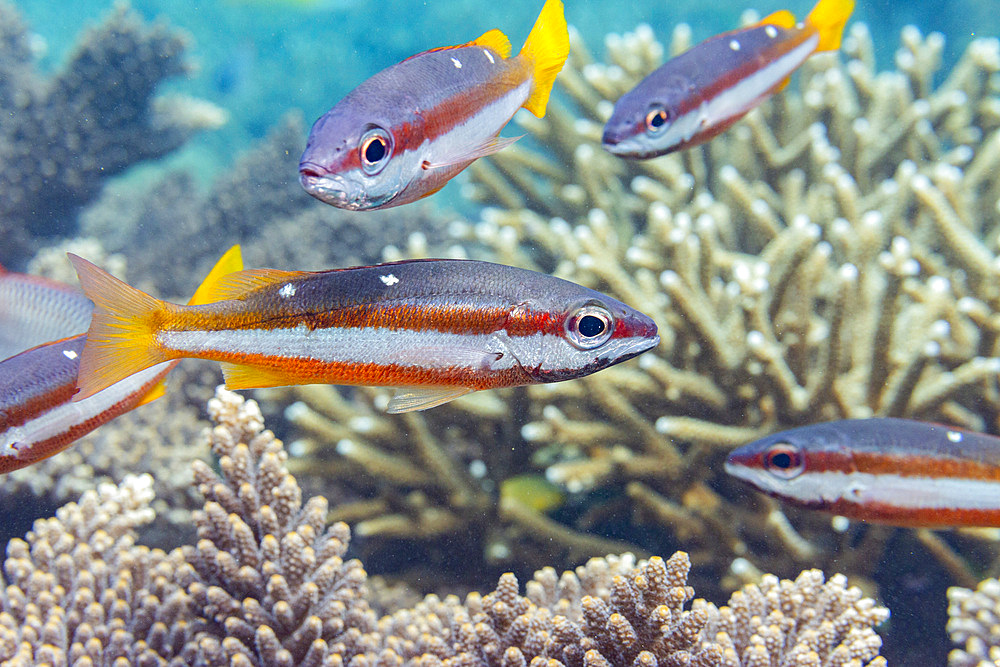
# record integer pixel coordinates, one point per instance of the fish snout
(311, 170)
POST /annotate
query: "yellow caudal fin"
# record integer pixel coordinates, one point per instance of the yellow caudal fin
(120, 340)
(230, 262)
(829, 18)
(546, 50)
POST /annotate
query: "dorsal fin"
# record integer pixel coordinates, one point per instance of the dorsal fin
(781, 18)
(236, 285)
(230, 262)
(493, 39)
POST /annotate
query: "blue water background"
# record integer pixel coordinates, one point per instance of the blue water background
(259, 59)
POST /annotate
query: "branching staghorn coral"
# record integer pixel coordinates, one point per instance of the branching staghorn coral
(974, 624)
(63, 136)
(827, 257)
(267, 585)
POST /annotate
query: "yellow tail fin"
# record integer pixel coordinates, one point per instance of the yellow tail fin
(829, 18)
(546, 49)
(121, 340)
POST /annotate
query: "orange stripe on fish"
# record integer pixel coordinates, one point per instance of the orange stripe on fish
(37, 417)
(406, 131)
(884, 470)
(437, 328)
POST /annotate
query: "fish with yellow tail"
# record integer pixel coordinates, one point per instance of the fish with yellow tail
(406, 131)
(435, 329)
(885, 470)
(703, 91)
(37, 416)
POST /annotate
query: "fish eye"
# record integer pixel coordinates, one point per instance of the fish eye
(590, 326)
(375, 149)
(784, 460)
(656, 118)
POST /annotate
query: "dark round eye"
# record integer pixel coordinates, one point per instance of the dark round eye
(656, 118)
(784, 460)
(375, 149)
(590, 326)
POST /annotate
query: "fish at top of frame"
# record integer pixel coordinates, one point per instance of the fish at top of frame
(36, 310)
(703, 91)
(38, 417)
(435, 329)
(406, 131)
(883, 470)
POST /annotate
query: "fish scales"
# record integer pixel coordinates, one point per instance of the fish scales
(457, 325)
(887, 470)
(35, 310)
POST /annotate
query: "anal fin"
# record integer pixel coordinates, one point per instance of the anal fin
(242, 376)
(409, 399)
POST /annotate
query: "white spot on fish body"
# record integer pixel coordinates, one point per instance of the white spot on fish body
(458, 63)
(734, 45)
(489, 56)
(954, 436)
(70, 354)
(389, 280)
(771, 31)
(288, 290)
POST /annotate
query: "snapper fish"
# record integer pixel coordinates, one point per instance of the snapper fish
(435, 329)
(38, 417)
(405, 132)
(703, 91)
(35, 310)
(883, 470)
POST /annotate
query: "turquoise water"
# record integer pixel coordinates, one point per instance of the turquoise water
(260, 62)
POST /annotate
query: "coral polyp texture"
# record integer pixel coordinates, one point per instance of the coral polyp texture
(267, 585)
(65, 134)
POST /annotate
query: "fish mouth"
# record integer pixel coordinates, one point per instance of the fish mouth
(328, 188)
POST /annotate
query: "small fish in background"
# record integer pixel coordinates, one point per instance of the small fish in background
(405, 132)
(703, 91)
(35, 310)
(37, 416)
(882, 470)
(436, 329)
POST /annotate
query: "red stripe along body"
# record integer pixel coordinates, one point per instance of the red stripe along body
(440, 328)
(883, 470)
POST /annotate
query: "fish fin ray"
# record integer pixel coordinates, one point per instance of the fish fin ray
(236, 285)
(546, 49)
(230, 262)
(155, 392)
(120, 341)
(488, 147)
(781, 19)
(493, 39)
(243, 376)
(829, 17)
(408, 399)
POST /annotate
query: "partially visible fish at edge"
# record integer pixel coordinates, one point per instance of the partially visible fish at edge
(703, 91)
(434, 329)
(406, 131)
(36, 310)
(38, 417)
(883, 470)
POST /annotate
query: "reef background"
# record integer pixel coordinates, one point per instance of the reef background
(207, 139)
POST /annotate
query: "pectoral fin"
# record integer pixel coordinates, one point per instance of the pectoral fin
(421, 398)
(488, 147)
